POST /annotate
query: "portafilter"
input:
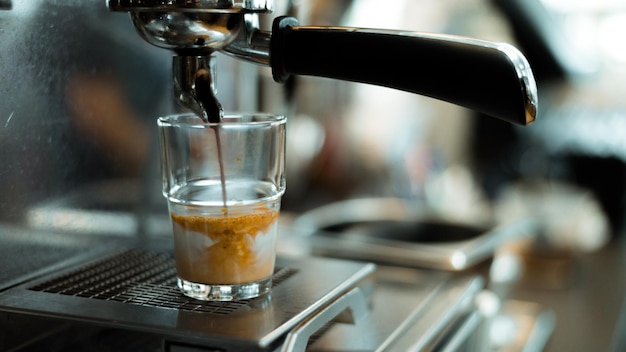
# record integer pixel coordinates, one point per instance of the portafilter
(492, 78)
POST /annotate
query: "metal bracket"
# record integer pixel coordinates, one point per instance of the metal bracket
(349, 308)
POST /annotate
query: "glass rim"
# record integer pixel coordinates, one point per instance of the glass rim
(192, 120)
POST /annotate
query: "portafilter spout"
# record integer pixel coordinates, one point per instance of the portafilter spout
(491, 78)
(194, 30)
(194, 85)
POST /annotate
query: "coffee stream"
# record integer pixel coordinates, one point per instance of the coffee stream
(212, 113)
(220, 160)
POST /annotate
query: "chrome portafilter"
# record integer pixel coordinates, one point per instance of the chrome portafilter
(492, 78)
(195, 30)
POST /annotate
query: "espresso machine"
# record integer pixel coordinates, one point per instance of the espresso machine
(119, 294)
(491, 78)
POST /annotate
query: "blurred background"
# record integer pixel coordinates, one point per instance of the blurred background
(80, 92)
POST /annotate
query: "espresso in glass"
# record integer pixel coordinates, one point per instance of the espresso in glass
(224, 217)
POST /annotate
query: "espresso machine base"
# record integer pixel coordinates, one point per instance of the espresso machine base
(316, 303)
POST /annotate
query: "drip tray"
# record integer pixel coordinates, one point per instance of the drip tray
(109, 284)
(134, 289)
(141, 278)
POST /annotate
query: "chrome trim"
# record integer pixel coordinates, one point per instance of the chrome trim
(192, 6)
(187, 31)
(251, 44)
(526, 78)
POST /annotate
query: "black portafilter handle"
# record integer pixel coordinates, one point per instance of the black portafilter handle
(490, 78)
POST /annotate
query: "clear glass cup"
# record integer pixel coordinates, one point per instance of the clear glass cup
(224, 202)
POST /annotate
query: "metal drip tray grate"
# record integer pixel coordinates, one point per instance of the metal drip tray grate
(140, 278)
(129, 288)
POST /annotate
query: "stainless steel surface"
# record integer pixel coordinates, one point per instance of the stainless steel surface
(251, 44)
(412, 310)
(527, 81)
(464, 333)
(321, 303)
(188, 31)
(57, 119)
(521, 326)
(352, 302)
(26, 254)
(414, 237)
(434, 328)
(586, 301)
(204, 26)
(111, 207)
(185, 5)
(147, 303)
(395, 231)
